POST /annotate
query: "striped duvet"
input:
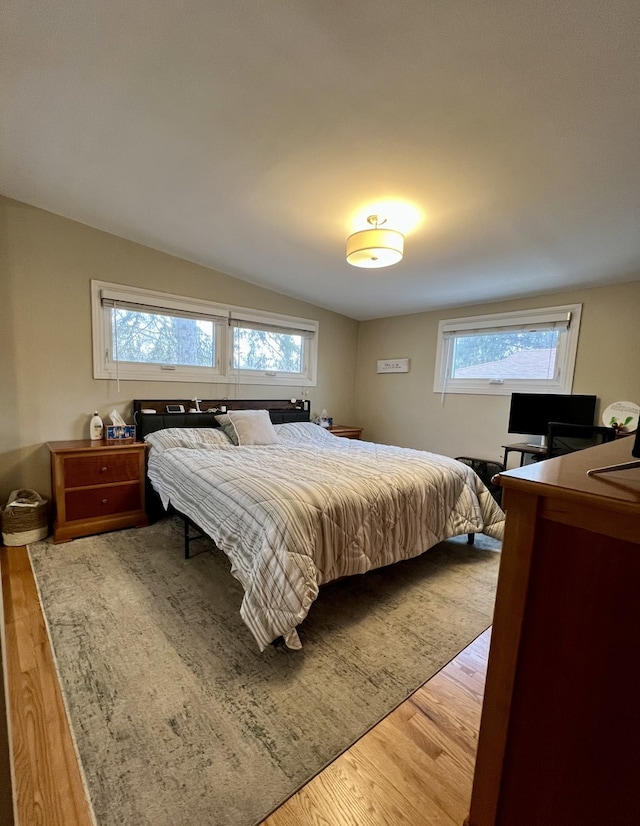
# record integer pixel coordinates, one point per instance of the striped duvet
(316, 507)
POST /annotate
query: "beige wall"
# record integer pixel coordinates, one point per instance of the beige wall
(402, 408)
(47, 391)
(47, 387)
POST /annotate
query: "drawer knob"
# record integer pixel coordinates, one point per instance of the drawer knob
(103, 469)
(104, 501)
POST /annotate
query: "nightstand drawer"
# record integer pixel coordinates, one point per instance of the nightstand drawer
(81, 471)
(104, 501)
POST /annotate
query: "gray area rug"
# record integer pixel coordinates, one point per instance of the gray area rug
(177, 716)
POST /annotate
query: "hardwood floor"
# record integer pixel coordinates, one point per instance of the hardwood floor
(414, 768)
(48, 782)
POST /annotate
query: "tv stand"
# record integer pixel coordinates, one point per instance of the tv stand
(524, 449)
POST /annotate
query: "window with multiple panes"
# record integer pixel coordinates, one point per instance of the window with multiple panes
(525, 351)
(145, 334)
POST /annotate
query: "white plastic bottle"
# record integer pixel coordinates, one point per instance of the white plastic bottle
(96, 428)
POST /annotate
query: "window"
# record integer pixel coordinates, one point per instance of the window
(159, 337)
(147, 335)
(527, 351)
(277, 350)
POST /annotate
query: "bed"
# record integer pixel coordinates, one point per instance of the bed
(307, 507)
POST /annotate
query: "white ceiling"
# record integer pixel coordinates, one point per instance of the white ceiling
(253, 136)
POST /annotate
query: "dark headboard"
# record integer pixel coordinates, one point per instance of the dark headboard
(280, 411)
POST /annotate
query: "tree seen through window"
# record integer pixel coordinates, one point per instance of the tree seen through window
(268, 351)
(163, 339)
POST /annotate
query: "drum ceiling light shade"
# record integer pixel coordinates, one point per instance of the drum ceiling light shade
(375, 247)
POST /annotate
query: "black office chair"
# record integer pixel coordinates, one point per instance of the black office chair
(565, 438)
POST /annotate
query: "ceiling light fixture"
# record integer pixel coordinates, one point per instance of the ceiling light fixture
(375, 247)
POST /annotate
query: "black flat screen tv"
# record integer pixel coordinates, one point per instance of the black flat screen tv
(531, 413)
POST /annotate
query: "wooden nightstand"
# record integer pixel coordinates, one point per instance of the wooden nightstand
(345, 431)
(96, 486)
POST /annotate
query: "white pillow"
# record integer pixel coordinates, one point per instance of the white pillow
(253, 427)
(196, 437)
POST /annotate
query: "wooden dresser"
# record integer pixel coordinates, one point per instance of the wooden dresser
(97, 486)
(560, 721)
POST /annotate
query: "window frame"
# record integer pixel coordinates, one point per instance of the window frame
(566, 352)
(223, 372)
(274, 324)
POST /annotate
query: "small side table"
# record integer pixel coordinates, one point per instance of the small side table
(97, 486)
(524, 450)
(345, 431)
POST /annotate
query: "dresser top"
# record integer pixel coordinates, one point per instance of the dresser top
(566, 476)
(91, 444)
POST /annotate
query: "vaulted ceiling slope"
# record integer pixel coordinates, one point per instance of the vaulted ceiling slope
(253, 136)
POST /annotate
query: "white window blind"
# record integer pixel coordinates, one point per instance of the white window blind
(169, 305)
(251, 323)
(552, 321)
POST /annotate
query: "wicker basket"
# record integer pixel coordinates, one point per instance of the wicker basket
(25, 518)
